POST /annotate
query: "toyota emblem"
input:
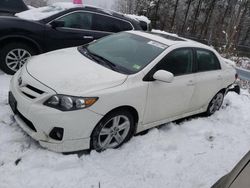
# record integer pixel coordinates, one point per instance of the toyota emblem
(20, 81)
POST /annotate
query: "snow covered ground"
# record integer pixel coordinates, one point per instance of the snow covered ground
(192, 154)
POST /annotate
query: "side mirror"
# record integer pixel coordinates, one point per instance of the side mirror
(163, 76)
(57, 23)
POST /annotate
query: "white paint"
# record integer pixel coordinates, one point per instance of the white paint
(68, 72)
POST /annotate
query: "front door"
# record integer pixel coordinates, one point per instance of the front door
(77, 31)
(167, 100)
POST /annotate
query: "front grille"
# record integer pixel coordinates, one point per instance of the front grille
(27, 122)
(31, 92)
(28, 95)
(35, 89)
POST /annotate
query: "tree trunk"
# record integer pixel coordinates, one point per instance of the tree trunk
(186, 15)
(196, 16)
(208, 14)
(175, 10)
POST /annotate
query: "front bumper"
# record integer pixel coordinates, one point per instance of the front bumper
(234, 88)
(77, 125)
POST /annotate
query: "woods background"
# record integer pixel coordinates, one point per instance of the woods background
(224, 24)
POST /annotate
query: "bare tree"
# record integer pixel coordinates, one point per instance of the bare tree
(219, 22)
(174, 15)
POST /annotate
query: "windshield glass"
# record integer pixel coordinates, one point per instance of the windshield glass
(128, 51)
(45, 12)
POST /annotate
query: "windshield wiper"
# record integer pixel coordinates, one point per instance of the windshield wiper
(99, 58)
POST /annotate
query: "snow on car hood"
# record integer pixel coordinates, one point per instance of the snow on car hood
(67, 71)
(45, 12)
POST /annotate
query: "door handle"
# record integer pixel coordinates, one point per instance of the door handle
(190, 83)
(88, 37)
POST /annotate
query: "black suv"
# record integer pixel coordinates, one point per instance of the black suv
(10, 7)
(53, 27)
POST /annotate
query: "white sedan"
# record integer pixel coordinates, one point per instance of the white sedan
(99, 95)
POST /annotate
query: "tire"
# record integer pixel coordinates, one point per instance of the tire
(215, 103)
(10, 61)
(109, 132)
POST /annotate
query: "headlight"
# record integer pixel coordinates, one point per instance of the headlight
(69, 103)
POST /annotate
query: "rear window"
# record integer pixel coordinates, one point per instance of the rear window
(207, 60)
(109, 24)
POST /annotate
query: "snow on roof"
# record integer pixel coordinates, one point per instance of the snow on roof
(155, 37)
(139, 18)
(167, 40)
(45, 12)
(164, 32)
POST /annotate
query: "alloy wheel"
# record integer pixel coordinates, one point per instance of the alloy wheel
(216, 103)
(16, 58)
(114, 132)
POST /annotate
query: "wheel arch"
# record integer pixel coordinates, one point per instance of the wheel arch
(223, 91)
(21, 39)
(130, 109)
(127, 108)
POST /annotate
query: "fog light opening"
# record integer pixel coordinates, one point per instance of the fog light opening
(57, 133)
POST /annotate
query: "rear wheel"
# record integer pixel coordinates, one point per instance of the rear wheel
(13, 56)
(215, 103)
(114, 130)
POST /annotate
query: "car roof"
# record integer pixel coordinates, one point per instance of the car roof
(40, 14)
(169, 39)
(70, 7)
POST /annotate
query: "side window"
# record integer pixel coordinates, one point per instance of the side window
(78, 20)
(207, 61)
(178, 62)
(108, 24)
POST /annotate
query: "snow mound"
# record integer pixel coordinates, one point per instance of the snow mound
(191, 154)
(230, 62)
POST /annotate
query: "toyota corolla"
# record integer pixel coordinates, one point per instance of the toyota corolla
(99, 95)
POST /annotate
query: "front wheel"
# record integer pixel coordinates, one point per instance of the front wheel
(114, 130)
(13, 56)
(215, 103)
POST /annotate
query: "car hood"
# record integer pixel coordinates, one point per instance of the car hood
(69, 72)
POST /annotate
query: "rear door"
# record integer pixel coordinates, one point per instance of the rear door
(208, 78)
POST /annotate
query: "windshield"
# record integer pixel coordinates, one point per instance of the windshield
(128, 51)
(44, 12)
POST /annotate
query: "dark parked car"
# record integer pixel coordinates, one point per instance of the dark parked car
(10, 7)
(54, 27)
(239, 177)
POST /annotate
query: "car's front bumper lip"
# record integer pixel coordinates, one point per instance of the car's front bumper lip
(77, 125)
(44, 140)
